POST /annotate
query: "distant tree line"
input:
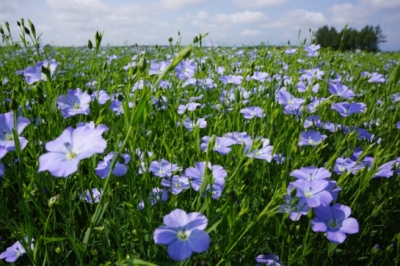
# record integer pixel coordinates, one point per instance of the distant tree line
(367, 39)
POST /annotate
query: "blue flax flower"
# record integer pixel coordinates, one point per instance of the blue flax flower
(6, 131)
(190, 125)
(176, 183)
(295, 211)
(265, 153)
(311, 173)
(311, 138)
(313, 192)
(252, 111)
(14, 252)
(155, 196)
(346, 109)
(120, 169)
(92, 196)
(269, 260)
(163, 168)
(341, 90)
(231, 79)
(72, 146)
(183, 233)
(34, 73)
(335, 222)
(374, 77)
(75, 102)
(3, 152)
(197, 174)
(221, 144)
(190, 107)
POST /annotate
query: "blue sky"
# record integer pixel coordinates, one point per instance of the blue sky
(229, 22)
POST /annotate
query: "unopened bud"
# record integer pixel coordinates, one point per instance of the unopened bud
(142, 64)
(375, 249)
(90, 45)
(53, 201)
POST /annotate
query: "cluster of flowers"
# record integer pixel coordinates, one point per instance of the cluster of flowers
(353, 164)
(312, 189)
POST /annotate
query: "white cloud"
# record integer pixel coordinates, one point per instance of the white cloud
(248, 32)
(258, 3)
(305, 18)
(381, 4)
(298, 18)
(246, 17)
(348, 13)
(8, 9)
(181, 4)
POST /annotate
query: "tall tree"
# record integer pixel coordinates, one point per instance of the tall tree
(368, 38)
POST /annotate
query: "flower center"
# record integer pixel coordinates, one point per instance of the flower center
(71, 154)
(310, 141)
(162, 171)
(9, 137)
(333, 223)
(19, 252)
(76, 105)
(182, 235)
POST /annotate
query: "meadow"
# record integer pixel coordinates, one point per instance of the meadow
(197, 155)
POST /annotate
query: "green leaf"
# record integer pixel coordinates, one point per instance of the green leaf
(137, 262)
(395, 76)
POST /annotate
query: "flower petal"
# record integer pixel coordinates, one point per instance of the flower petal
(336, 237)
(179, 250)
(199, 241)
(350, 226)
(319, 225)
(165, 235)
(177, 218)
(196, 220)
(340, 212)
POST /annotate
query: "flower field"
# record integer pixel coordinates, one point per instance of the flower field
(197, 155)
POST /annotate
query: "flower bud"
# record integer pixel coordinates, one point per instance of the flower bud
(53, 201)
(375, 249)
(90, 45)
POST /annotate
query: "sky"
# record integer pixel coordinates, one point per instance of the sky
(228, 22)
